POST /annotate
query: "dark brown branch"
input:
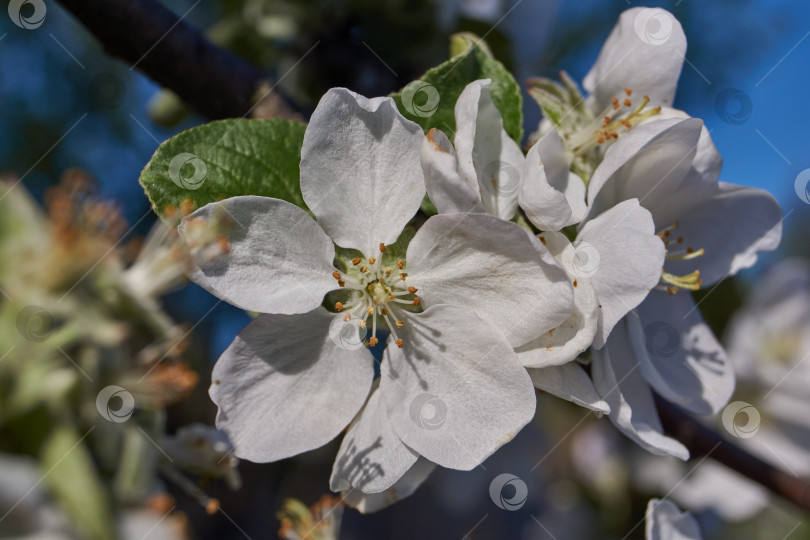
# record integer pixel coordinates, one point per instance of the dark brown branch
(702, 441)
(145, 34)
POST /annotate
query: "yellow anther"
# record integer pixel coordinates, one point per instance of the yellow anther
(362, 323)
(370, 310)
(371, 260)
(416, 301)
(400, 343)
(372, 341)
(412, 289)
(400, 264)
(403, 276)
(691, 281)
(339, 306)
(363, 269)
(400, 324)
(388, 272)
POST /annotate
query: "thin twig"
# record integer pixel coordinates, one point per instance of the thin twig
(700, 440)
(156, 41)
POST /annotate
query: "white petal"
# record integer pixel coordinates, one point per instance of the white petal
(545, 177)
(371, 457)
(679, 355)
(360, 169)
(491, 266)
(569, 382)
(618, 379)
(455, 392)
(279, 260)
(286, 386)
(567, 341)
(575, 194)
(448, 190)
(405, 486)
(624, 257)
(486, 153)
(708, 162)
(732, 223)
(666, 522)
(644, 52)
(649, 163)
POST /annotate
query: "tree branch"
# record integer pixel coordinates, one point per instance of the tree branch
(702, 441)
(148, 36)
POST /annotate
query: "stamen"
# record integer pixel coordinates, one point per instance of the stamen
(688, 255)
(691, 281)
(372, 341)
(412, 289)
(371, 260)
(363, 269)
(336, 275)
(347, 317)
(400, 324)
(399, 343)
(400, 264)
(383, 249)
(339, 306)
(417, 301)
(356, 261)
(607, 127)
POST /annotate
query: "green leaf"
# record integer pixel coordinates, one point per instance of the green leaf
(431, 100)
(72, 478)
(225, 159)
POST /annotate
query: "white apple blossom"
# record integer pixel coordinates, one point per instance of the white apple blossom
(291, 382)
(485, 172)
(711, 230)
(632, 82)
(665, 522)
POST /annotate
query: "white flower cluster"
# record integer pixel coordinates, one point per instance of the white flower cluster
(588, 300)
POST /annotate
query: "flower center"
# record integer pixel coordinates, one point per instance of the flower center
(672, 283)
(377, 292)
(618, 118)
